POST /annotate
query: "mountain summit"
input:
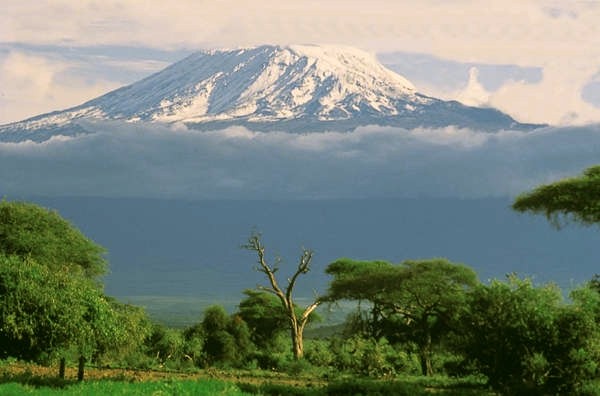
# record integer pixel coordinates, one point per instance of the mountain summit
(298, 88)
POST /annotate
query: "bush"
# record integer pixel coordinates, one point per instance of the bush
(166, 346)
(366, 356)
(318, 353)
(527, 341)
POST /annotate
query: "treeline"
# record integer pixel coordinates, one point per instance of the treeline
(525, 339)
(418, 317)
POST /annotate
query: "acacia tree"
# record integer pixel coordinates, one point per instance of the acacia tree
(297, 318)
(574, 198)
(420, 299)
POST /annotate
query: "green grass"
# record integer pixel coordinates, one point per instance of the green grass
(439, 386)
(158, 388)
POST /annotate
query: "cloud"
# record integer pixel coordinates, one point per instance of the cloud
(29, 84)
(441, 75)
(514, 31)
(474, 93)
(125, 160)
(563, 91)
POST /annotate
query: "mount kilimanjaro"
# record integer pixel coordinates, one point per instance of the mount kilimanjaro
(295, 89)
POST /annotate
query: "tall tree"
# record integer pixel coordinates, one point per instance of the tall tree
(297, 319)
(421, 298)
(51, 303)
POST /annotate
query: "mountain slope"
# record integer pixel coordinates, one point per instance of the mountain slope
(295, 88)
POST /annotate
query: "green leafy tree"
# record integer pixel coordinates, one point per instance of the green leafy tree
(194, 343)
(296, 318)
(266, 317)
(574, 198)
(226, 339)
(52, 302)
(125, 328)
(417, 300)
(42, 312)
(527, 341)
(28, 230)
(166, 345)
(47, 314)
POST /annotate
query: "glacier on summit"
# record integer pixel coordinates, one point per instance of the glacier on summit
(298, 88)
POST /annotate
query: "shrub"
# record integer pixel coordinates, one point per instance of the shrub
(527, 341)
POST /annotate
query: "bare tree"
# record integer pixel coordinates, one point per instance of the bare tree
(297, 320)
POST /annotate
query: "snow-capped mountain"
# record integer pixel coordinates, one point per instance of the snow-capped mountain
(296, 88)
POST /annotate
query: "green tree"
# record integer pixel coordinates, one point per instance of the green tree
(527, 341)
(416, 300)
(166, 345)
(30, 230)
(42, 312)
(226, 338)
(297, 318)
(266, 317)
(574, 198)
(52, 303)
(125, 330)
(47, 314)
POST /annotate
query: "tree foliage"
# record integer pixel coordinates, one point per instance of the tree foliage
(43, 235)
(266, 317)
(46, 313)
(226, 338)
(417, 300)
(526, 340)
(575, 198)
(51, 303)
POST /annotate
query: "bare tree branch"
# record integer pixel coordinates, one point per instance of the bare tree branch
(296, 325)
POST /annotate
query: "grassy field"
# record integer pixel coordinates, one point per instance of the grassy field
(17, 378)
(174, 387)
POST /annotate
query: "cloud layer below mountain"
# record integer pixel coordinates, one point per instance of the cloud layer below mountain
(126, 160)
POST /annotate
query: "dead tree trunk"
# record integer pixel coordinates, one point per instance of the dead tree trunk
(297, 323)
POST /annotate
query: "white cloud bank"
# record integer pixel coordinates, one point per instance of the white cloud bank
(125, 160)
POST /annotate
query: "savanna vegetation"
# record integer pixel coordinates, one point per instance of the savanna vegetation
(419, 327)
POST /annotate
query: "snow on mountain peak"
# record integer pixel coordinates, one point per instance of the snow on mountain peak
(266, 83)
(297, 88)
(271, 83)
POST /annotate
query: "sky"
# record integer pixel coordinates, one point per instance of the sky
(539, 61)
